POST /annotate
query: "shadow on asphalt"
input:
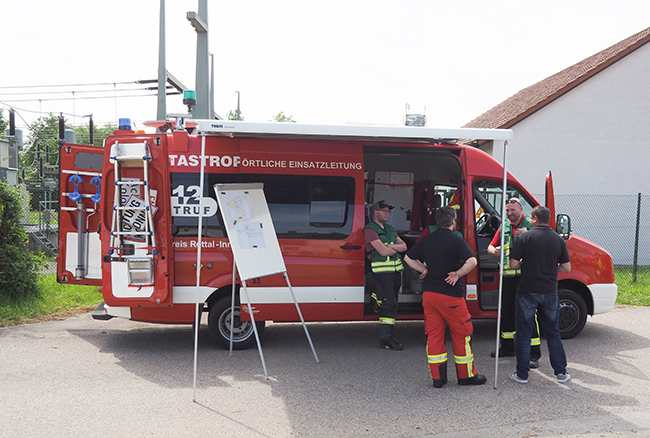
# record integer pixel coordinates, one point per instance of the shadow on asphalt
(356, 379)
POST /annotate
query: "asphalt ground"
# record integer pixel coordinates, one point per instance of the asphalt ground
(118, 378)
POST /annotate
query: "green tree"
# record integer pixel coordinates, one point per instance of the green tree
(43, 140)
(18, 266)
(232, 115)
(3, 124)
(99, 133)
(281, 118)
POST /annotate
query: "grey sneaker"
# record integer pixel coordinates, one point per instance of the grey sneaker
(517, 379)
(534, 363)
(563, 377)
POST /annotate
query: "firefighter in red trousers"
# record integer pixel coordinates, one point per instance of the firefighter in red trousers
(447, 258)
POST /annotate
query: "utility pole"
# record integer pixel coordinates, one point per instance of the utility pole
(200, 23)
(161, 114)
(211, 109)
(91, 130)
(238, 114)
(61, 131)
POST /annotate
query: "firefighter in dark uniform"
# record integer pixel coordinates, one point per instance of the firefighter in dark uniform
(515, 226)
(383, 246)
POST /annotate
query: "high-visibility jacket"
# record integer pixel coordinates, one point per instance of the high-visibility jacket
(455, 200)
(384, 264)
(508, 243)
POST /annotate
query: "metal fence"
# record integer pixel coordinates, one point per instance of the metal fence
(618, 223)
(41, 222)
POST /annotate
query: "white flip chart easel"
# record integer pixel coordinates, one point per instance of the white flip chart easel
(254, 245)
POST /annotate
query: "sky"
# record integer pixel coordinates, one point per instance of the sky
(334, 62)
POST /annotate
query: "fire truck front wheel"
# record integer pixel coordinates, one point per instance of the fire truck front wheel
(572, 313)
(221, 321)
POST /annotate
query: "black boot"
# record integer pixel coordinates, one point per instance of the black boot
(386, 339)
(442, 369)
(390, 344)
(478, 379)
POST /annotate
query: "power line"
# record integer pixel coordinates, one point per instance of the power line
(86, 98)
(19, 110)
(135, 92)
(52, 113)
(109, 90)
(76, 85)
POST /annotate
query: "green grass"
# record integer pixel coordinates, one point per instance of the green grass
(56, 298)
(632, 292)
(53, 298)
(33, 218)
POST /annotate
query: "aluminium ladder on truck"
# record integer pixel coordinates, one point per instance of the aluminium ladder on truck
(140, 260)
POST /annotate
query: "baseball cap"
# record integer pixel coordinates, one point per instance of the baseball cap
(381, 205)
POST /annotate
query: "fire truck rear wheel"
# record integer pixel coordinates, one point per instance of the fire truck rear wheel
(220, 323)
(572, 313)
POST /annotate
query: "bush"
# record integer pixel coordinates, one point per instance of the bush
(18, 266)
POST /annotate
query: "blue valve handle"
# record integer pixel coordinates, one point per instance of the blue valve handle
(97, 181)
(76, 180)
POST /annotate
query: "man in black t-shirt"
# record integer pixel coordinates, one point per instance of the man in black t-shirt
(540, 253)
(447, 258)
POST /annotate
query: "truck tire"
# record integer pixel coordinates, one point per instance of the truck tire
(219, 326)
(572, 313)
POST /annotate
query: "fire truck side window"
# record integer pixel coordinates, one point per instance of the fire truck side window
(316, 207)
(487, 205)
(301, 207)
(185, 201)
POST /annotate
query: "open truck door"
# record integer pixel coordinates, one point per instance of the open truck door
(79, 256)
(136, 246)
(550, 199)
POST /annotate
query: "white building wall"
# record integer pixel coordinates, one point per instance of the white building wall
(595, 139)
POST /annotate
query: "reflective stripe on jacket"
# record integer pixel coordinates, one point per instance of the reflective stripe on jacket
(385, 264)
(508, 243)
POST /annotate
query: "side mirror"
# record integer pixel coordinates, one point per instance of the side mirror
(563, 225)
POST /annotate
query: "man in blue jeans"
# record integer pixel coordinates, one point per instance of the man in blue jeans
(540, 253)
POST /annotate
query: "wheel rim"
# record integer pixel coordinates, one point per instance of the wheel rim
(242, 329)
(568, 315)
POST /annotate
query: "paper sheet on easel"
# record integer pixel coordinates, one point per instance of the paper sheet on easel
(250, 230)
(250, 235)
(237, 205)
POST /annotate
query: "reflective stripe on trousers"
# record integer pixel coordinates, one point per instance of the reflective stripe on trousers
(511, 272)
(533, 341)
(437, 358)
(468, 359)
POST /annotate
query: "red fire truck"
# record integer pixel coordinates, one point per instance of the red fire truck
(130, 209)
